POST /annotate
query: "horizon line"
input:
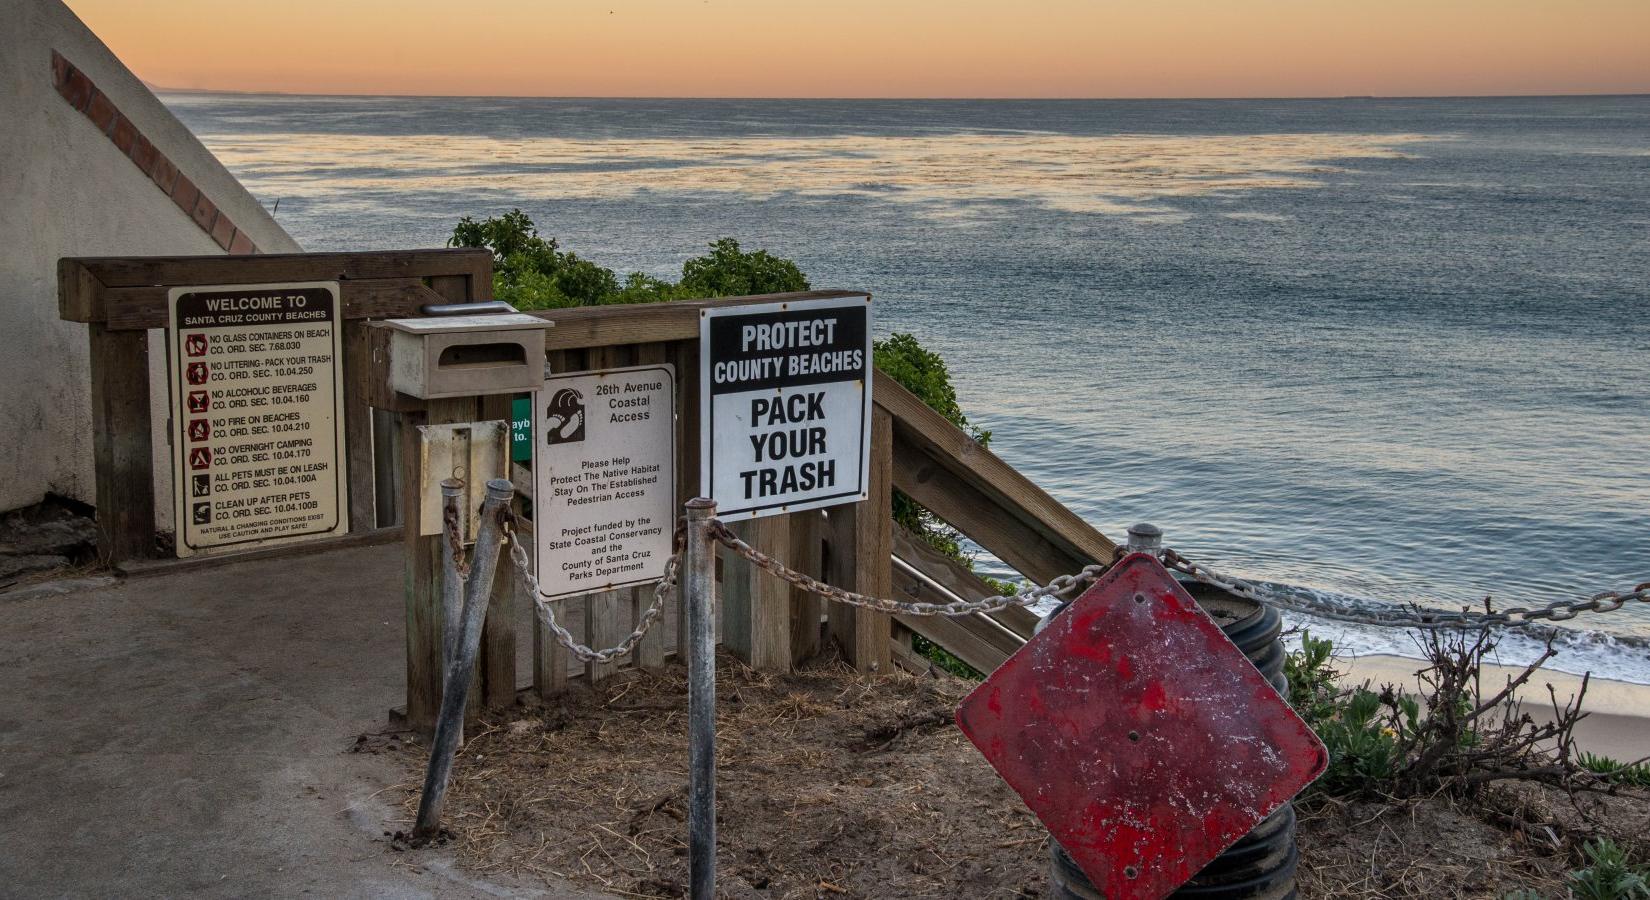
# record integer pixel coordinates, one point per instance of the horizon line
(159, 89)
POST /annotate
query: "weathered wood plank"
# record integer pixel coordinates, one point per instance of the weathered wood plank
(77, 291)
(603, 326)
(384, 298)
(181, 270)
(987, 499)
(551, 661)
(122, 447)
(359, 471)
(423, 569)
(650, 652)
(609, 614)
(685, 355)
(498, 633)
(807, 609)
(860, 543)
(954, 577)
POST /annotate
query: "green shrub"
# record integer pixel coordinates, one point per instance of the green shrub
(1610, 874)
(1634, 774)
(533, 272)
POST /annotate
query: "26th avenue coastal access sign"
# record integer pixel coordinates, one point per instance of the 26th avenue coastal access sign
(786, 405)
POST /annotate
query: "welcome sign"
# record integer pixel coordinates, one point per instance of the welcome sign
(786, 404)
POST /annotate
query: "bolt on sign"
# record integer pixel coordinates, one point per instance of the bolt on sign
(1139, 734)
(786, 405)
(604, 478)
(257, 415)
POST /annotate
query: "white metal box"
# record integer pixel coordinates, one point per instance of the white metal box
(464, 356)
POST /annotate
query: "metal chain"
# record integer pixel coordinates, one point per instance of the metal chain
(1416, 617)
(1057, 589)
(449, 523)
(547, 613)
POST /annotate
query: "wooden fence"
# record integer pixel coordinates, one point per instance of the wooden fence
(763, 620)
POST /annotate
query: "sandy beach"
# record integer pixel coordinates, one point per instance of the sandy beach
(1618, 723)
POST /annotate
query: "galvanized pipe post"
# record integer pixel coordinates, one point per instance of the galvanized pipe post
(699, 561)
(1145, 538)
(455, 687)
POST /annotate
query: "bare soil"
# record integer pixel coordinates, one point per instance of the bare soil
(833, 785)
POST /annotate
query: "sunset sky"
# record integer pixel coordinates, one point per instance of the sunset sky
(885, 48)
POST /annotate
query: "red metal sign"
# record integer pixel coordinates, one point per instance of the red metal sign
(1139, 734)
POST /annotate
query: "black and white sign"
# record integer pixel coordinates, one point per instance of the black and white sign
(604, 478)
(258, 427)
(785, 405)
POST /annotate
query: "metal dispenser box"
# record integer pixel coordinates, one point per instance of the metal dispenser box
(466, 356)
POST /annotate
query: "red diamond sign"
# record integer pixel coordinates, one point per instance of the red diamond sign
(1139, 734)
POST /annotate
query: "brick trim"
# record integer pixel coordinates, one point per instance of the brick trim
(73, 85)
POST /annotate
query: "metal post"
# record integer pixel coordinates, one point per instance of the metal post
(455, 688)
(699, 561)
(1145, 538)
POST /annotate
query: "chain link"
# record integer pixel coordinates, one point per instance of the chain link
(449, 526)
(1059, 588)
(1415, 616)
(1064, 587)
(547, 613)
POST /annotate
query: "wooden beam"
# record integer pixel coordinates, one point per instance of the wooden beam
(955, 577)
(379, 298)
(77, 291)
(860, 542)
(498, 632)
(423, 569)
(976, 639)
(122, 446)
(970, 487)
(650, 651)
(807, 608)
(642, 323)
(356, 370)
(167, 271)
(757, 605)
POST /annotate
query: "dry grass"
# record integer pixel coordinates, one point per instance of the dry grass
(831, 785)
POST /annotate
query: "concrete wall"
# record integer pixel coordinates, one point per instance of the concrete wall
(67, 189)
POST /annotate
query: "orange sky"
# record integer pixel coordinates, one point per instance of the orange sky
(885, 48)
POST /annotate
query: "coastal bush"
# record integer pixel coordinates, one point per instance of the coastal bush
(533, 272)
(1609, 875)
(1636, 774)
(1451, 737)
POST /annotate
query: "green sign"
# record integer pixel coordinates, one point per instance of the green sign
(521, 429)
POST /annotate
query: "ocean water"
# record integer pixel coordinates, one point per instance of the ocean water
(1391, 351)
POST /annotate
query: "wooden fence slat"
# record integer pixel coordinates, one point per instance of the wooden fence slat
(122, 444)
(609, 615)
(650, 652)
(423, 567)
(498, 633)
(551, 661)
(359, 471)
(685, 355)
(861, 540)
(807, 609)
